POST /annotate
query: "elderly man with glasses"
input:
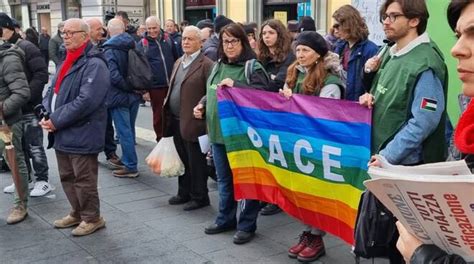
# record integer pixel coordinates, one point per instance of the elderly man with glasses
(77, 120)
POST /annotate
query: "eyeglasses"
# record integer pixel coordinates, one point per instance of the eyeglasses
(232, 42)
(71, 33)
(392, 17)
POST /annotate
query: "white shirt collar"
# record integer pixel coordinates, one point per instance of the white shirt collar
(423, 38)
(188, 59)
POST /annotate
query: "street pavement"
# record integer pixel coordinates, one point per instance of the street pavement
(141, 226)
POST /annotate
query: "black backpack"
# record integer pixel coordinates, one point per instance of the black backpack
(375, 233)
(139, 76)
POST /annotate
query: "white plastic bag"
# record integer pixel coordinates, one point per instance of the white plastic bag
(164, 159)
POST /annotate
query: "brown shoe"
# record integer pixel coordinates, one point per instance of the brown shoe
(115, 163)
(17, 214)
(125, 173)
(85, 228)
(67, 221)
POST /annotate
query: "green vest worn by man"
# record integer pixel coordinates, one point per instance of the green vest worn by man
(393, 88)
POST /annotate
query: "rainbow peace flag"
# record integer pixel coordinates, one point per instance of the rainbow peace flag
(307, 154)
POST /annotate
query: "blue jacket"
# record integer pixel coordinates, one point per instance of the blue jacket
(361, 52)
(406, 147)
(116, 52)
(80, 112)
(177, 38)
(161, 58)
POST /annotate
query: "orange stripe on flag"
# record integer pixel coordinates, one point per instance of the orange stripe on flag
(333, 208)
(325, 222)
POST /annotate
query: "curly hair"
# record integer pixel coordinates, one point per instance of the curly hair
(313, 81)
(282, 45)
(351, 22)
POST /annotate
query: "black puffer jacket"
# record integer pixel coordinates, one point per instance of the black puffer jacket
(14, 91)
(277, 71)
(36, 71)
(431, 254)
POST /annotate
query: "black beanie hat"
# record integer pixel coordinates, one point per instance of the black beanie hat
(205, 23)
(307, 24)
(313, 40)
(249, 29)
(220, 22)
(6, 21)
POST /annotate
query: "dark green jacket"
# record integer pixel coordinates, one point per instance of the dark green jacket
(14, 90)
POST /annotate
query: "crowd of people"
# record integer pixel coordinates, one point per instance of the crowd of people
(90, 99)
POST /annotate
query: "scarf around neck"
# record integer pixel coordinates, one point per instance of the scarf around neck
(71, 58)
(464, 134)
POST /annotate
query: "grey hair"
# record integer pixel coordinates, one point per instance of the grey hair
(115, 26)
(152, 19)
(82, 24)
(194, 29)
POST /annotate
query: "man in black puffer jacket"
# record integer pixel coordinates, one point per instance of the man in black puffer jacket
(36, 72)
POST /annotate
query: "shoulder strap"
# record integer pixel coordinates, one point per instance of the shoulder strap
(249, 68)
(213, 72)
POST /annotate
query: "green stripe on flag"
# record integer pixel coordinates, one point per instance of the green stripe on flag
(352, 176)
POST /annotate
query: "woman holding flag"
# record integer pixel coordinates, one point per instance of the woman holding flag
(313, 73)
(236, 67)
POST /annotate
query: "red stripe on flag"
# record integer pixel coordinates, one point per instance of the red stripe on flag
(424, 103)
(322, 221)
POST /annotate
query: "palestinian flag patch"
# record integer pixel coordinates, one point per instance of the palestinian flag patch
(429, 104)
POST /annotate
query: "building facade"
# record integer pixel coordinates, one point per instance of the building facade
(48, 13)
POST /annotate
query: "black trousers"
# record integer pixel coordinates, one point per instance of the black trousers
(193, 184)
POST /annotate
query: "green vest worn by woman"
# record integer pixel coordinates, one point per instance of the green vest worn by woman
(330, 79)
(219, 72)
(393, 88)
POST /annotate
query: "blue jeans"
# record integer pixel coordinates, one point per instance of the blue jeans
(124, 121)
(227, 204)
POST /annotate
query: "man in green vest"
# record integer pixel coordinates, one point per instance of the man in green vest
(409, 89)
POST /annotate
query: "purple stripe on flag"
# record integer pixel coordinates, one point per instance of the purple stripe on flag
(312, 106)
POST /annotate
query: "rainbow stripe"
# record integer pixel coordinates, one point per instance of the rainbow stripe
(307, 154)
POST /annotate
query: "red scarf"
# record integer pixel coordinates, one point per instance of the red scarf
(71, 57)
(464, 134)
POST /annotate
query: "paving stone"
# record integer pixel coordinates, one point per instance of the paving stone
(77, 257)
(123, 189)
(143, 204)
(44, 249)
(107, 240)
(132, 196)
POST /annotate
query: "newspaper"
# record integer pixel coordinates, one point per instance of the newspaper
(435, 202)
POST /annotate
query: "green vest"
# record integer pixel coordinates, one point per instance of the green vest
(330, 79)
(219, 72)
(393, 88)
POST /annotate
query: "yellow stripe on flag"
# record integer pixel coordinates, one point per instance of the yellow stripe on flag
(294, 181)
(329, 207)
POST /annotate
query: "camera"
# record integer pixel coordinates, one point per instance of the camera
(41, 112)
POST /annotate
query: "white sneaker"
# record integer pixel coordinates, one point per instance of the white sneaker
(11, 188)
(41, 188)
